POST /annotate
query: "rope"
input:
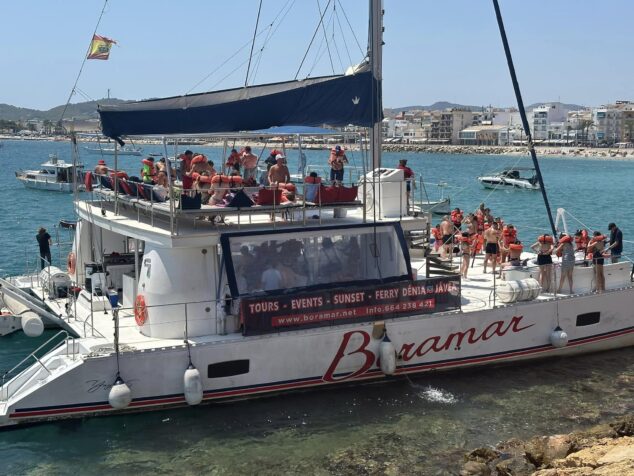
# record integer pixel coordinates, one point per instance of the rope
(255, 31)
(332, 66)
(72, 91)
(351, 29)
(343, 37)
(321, 19)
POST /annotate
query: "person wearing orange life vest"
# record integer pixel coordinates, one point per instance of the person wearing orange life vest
(185, 166)
(581, 240)
(437, 234)
(336, 161)
(509, 235)
(457, 217)
(597, 247)
(566, 250)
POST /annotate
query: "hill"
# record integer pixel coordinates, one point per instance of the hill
(81, 110)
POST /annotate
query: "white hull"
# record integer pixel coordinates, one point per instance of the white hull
(439, 207)
(497, 183)
(78, 385)
(136, 152)
(46, 185)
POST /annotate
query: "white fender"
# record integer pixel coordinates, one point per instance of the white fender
(120, 395)
(558, 337)
(32, 324)
(387, 356)
(193, 386)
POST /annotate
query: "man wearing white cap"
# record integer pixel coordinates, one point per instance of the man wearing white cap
(279, 173)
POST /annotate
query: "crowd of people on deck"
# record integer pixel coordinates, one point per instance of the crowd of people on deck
(481, 232)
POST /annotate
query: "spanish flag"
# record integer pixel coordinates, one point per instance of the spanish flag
(100, 47)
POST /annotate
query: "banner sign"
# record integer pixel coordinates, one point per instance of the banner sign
(275, 313)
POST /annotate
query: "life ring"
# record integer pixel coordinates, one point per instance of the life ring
(545, 239)
(71, 261)
(140, 310)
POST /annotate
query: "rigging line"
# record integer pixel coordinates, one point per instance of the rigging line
(345, 43)
(522, 111)
(72, 91)
(223, 63)
(332, 66)
(321, 19)
(271, 33)
(363, 54)
(255, 31)
(336, 46)
(319, 54)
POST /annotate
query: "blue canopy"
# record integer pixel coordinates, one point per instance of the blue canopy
(333, 100)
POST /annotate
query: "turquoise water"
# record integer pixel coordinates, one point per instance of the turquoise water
(423, 425)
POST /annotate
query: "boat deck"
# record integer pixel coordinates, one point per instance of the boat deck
(477, 295)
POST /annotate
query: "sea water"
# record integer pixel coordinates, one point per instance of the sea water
(419, 425)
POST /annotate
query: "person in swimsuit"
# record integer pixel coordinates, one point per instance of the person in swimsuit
(492, 240)
(566, 250)
(465, 248)
(544, 248)
(447, 229)
(596, 247)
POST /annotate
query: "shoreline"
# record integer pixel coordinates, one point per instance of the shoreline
(542, 151)
(606, 449)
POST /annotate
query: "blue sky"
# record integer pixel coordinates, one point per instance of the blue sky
(577, 51)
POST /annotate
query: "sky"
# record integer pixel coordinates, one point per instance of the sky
(575, 51)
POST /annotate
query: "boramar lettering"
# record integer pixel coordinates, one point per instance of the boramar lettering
(412, 350)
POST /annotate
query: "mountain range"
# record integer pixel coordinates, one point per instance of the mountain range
(88, 110)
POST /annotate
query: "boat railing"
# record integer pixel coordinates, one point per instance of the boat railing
(193, 204)
(24, 368)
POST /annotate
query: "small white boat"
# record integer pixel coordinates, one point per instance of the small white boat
(437, 207)
(126, 150)
(511, 178)
(55, 175)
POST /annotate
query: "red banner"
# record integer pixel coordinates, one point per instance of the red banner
(274, 313)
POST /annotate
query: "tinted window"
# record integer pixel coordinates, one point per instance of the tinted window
(228, 368)
(588, 318)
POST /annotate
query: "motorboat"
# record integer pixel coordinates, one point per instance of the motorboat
(441, 206)
(109, 150)
(511, 178)
(176, 302)
(54, 175)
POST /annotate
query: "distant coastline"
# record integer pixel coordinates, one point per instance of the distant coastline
(562, 151)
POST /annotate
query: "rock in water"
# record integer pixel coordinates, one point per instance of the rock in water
(475, 468)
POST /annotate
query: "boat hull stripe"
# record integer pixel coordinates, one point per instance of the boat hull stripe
(307, 382)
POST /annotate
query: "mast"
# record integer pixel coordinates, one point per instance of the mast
(375, 55)
(520, 105)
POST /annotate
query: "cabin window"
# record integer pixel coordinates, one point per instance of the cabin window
(588, 319)
(314, 258)
(228, 368)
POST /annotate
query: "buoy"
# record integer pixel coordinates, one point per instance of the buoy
(193, 386)
(387, 356)
(120, 394)
(558, 337)
(32, 324)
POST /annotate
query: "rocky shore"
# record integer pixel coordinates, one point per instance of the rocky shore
(603, 450)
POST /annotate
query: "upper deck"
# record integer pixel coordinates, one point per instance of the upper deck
(175, 223)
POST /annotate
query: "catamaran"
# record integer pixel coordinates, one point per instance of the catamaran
(168, 301)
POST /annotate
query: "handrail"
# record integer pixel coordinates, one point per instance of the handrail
(33, 355)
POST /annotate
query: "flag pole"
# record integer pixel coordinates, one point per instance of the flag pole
(72, 91)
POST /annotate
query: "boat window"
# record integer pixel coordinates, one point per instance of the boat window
(315, 258)
(588, 319)
(228, 368)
